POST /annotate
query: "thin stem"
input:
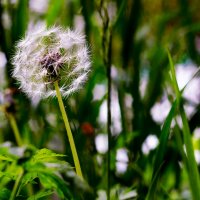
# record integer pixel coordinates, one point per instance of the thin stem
(16, 186)
(15, 129)
(107, 54)
(109, 117)
(69, 133)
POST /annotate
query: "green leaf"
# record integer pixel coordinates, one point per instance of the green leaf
(20, 20)
(53, 11)
(161, 151)
(41, 194)
(119, 13)
(28, 178)
(52, 181)
(45, 155)
(11, 174)
(164, 138)
(173, 77)
(4, 194)
(193, 173)
(6, 158)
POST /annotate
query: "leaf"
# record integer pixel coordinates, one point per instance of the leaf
(119, 14)
(193, 173)
(52, 181)
(53, 11)
(41, 194)
(35, 166)
(4, 194)
(164, 138)
(20, 20)
(45, 155)
(7, 153)
(173, 77)
(28, 178)
(161, 151)
(6, 158)
(9, 174)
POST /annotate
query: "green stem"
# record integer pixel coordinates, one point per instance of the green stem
(15, 129)
(16, 186)
(69, 133)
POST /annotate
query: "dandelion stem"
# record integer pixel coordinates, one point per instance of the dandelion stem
(69, 133)
(15, 129)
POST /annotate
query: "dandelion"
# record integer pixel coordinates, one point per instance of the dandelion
(48, 55)
(52, 62)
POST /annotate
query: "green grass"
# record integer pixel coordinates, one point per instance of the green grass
(193, 174)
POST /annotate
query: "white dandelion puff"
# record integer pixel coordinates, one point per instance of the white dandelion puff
(48, 55)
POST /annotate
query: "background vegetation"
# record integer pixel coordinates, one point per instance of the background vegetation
(132, 150)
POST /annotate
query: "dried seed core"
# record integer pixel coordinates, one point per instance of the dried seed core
(52, 63)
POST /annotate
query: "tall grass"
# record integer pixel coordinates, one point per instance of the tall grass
(188, 155)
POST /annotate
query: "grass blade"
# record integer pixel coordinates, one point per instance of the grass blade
(20, 20)
(193, 173)
(160, 152)
(53, 11)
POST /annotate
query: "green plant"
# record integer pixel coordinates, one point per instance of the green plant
(24, 167)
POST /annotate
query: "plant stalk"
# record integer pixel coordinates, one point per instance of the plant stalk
(15, 129)
(69, 133)
(16, 186)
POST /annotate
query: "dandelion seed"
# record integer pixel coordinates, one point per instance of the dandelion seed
(48, 55)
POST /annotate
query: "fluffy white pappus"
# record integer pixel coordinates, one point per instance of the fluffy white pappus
(44, 56)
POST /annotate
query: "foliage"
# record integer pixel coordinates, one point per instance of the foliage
(36, 167)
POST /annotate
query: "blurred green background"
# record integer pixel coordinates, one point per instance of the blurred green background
(141, 91)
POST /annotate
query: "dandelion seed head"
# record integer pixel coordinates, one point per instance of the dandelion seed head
(44, 56)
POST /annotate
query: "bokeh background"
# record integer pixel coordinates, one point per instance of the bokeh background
(141, 90)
